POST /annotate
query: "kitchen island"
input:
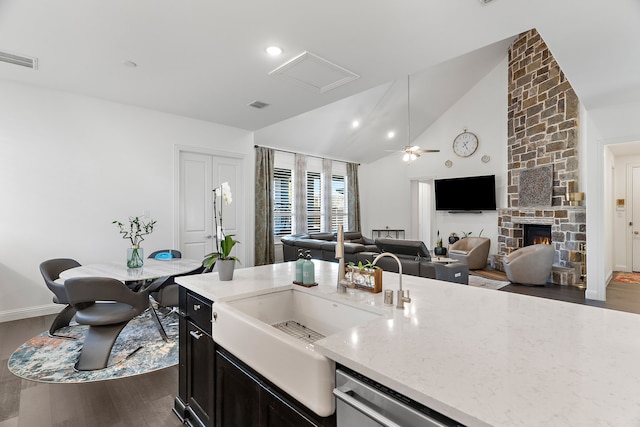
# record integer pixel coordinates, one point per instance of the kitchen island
(478, 356)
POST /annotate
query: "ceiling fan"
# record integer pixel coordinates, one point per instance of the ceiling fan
(412, 152)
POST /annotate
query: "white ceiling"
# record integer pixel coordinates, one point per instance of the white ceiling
(206, 60)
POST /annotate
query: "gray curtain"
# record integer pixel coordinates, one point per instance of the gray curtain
(326, 195)
(264, 245)
(353, 197)
(300, 193)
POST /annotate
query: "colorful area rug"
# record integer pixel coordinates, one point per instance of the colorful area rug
(621, 276)
(483, 282)
(49, 359)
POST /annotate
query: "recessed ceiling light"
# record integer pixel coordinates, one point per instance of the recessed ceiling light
(391, 134)
(355, 124)
(130, 64)
(274, 50)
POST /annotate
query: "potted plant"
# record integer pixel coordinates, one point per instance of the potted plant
(439, 250)
(357, 271)
(135, 233)
(224, 242)
(364, 274)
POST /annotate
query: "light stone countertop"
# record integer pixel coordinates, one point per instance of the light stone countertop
(479, 356)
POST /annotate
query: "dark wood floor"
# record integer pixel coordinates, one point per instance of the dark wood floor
(620, 296)
(146, 400)
(143, 400)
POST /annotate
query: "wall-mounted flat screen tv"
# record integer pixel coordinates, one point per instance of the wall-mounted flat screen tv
(472, 193)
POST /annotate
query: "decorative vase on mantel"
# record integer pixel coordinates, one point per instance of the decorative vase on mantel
(135, 257)
(225, 269)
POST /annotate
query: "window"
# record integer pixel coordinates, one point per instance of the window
(338, 202)
(314, 202)
(322, 213)
(283, 198)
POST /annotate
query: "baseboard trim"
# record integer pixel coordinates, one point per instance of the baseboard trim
(25, 313)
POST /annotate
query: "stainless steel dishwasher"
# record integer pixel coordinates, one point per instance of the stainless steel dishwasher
(365, 403)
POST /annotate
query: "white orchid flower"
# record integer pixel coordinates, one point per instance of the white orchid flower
(220, 233)
(226, 193)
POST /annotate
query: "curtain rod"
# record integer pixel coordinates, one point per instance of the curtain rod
(308, 155)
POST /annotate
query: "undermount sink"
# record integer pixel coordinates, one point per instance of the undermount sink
(274, 334)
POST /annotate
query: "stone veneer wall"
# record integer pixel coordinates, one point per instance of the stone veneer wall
(543, 130)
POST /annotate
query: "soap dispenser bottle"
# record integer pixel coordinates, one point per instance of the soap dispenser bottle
(308, 271)
(299, 264)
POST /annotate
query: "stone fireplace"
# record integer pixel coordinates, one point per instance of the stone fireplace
(542, 161)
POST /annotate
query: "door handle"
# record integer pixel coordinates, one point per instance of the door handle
(208, 236)
(636, 232)
(197, 335)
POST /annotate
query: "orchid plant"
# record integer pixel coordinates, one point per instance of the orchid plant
(224, 242)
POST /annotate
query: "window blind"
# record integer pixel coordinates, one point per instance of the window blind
(283, 198)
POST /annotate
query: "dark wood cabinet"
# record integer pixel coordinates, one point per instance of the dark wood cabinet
(195, 403)
(277, 412)
(237, 394)
(245, 398)
(217, 389)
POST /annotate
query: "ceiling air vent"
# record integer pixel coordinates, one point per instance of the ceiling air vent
(258, 104)
(23, 61)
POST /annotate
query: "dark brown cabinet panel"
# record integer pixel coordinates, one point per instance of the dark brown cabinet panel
(200, 374)
(216, 388)
(245, 398)
(195, 403)
(278, 413)
(237, 394)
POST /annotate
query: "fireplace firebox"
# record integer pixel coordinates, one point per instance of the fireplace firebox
(536, 233)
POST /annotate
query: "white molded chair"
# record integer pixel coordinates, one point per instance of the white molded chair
(530, 265)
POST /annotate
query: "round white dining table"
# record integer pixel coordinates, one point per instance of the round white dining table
(152, 269)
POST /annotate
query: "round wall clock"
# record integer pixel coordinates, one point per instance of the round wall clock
(465, 144)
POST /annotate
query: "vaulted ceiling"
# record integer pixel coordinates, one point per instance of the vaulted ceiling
(206, 59)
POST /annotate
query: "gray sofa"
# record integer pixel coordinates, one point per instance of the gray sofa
(323, 245)
(413, 254)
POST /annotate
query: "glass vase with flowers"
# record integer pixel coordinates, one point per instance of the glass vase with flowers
(135, 233)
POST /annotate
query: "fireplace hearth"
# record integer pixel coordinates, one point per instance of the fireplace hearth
(564, 226)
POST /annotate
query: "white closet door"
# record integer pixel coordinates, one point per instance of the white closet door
(196, 199)
(199, 175)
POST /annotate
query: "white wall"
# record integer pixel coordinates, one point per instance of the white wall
(70, 165)
(385, 184)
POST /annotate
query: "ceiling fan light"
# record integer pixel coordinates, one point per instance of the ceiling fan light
(413, 156)
(406, 157)
(414, 148)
